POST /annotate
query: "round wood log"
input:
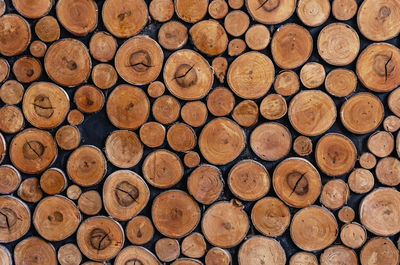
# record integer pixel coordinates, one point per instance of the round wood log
(218, 9)
(376, 67)
(218, 256)
(12, 119)
(273, 107)
(245, 113)
(291, 45)
(156, 89)
(236, 23)
(391, 124)
(90, 203)
(221, 141)
(344, 9)
(124, 18)
(379, 20)
(161, 10)
(15, 219)
(30, 191)
(53, 181)
(394, 102)
(353, 235)
(10, 179)
(248, 180)
(15, 34)
(86, 166)
(209, 37)
(162, 169)
(381, 143)
(166, 109)
(312, 112)
(341, 82)
(367, 160)
(379, 211)
(89, 99)
(139, 60)
(387, 171)
(303, 258)
(191, 159)
(194, 113)
(11, 92)
(172, 35)
(127, 107)
(134, 254)
(3, 147)
(205, 184)
(5, 255)
(313, 228)
(100, 238)
(68, 137)
(335, 194)
(303, 146)
(27, 69)
(2, 10)
(123, 149)
(125, 194)
(56, 218)
(104, 76)
(338, 254)
(258, 37)
(251, 75)
(313, 13)
(32, 151)
(362, 113)
(139, 230)
(273, 12)
(152, 134)
(69, 254)
(297, 182)
(30, 9)
(379, 250)
(191, 11)
(74, 192)
(312, 75)
(261, 249)
(270, 216)
(225, 224)
(194, 246)
(47, 29)
(175, 214)
(34, 251)
(187, 261)
(187, 75)
(346, 214)
(220, 101)
(38, 48)
(102, 46)
(220, 65)
(75, 117)
(286, 83)
(335, 154)
(236, 47)
(4, 70)
(361, 180)
(181, 137)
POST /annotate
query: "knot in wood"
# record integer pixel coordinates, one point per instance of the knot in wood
(99, 239)
(185, 75)
(33, 150)
(298, 183)
(43, 106)
(140, 61)
(126, 193)
(8, 218)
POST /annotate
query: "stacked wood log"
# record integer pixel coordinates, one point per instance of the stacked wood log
(199, 132)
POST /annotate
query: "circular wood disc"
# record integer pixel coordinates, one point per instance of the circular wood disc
(225, 224)
(152, 134)
(393, 102)
(335, 194)
(286, 83)
(218, 9)
(127, 107)
(335, 154)
(56, 218)
(125, 194)
(11, 92)
(346, 214)
(248, 180)
(338, 44)
(379, 20)
(15, 219)
(191, 11)
(291, 45)
(123, 149)
(313, 13)
(124, 18)
(220, 65)
(3, 147)
(245, 113)
(191, 159)
(137, 255)
(38, 48)
(209, 37)
(102, 46)
(175, 214)
(297, 182)
(376, 67)
(47, 29)
(380, 211)
(273, 107)
(162, 169)
(312, 112)
(194, 113)
(74, 192)
(27, 69)
(104, 75)
(362, 113)
(338, 254)
(313, 228)
(344, 9)
(139, 230)
(15, 34)
(270, 216)
(45, 105)
(4, 70)
(194, 245)
(12, 119)
(67, 62)
(161, 10)
(172, 35)
(53, 181)
(218, 256)
(361, 180)
(380, 250)
(5, 255)
(10, 179)
(35, 251)
(312, 75)
(69, 13)
(251, 75)
(391, 123)
(303, 146)
(33, 150)
(30, 191)
(69, 254)
(303, 258)
(271, 141)
(236, 23)
(257, 37)
(167, 249)
(166, 109)
(181, 137)
(273, 12)
(31, 9)
(86, 166)
(139, 60)
(89, 99)
(90, 203)
(220, 101)
(221, 141)
(261, 249)
(100, 238)
(188, 75)
(353, 235)
(68, 137)
(156, 89)
(388, 171)
(75, 117)
(381, 143)
(205, 184)
(186, 261)
(341, 82)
